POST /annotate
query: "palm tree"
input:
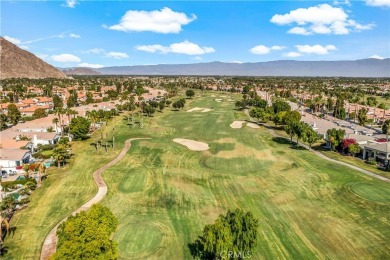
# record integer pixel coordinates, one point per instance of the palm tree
(60, 112)
(55, 121)
(92, 115)
(60, 153)
(74, 113)
(68, 113)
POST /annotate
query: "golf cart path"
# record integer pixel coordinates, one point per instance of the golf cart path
(50, 243)
(273, 133)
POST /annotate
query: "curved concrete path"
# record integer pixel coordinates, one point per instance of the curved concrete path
(273, 133)
(50, 243)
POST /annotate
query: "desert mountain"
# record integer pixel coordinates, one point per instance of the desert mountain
(18, 63)
(356, 68)
(81, 71)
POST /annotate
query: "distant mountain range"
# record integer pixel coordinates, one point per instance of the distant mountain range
(80, 71)
(18, 63)
(357, 68)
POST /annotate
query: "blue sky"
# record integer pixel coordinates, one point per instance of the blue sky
(114, 33)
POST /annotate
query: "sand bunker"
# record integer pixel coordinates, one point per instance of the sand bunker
(253, 125)
(237, 124)
(195, 109)
(218, 100)
(192, 145)
(201, 109)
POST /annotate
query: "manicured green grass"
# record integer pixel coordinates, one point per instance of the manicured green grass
(163, 194)
(47, 153)
(377, 192)
(307, 207)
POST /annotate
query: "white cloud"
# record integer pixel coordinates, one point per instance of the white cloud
(117, 55)
(12, 39)
(278, 48)
(262, 49)
(158, 21)
(72, 35)
(377, 57)
(345, 2)
(153, 48)
(65, 58)
(292, 54)
(89, 65)
(24, 47)
(109, 54)
(381, 3)
(315, 49)
(320, 19)
(190, 48)
(93, 51)
(185, 47)
(298, 30)
(238, 62)
(70, 3)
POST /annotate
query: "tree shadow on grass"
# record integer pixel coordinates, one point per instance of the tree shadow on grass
(284, 141)
(297, 147)
(281, 140)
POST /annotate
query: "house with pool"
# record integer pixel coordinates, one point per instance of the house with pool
(11, 160)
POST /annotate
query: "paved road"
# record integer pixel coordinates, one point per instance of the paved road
(326, 157)
(50, 243)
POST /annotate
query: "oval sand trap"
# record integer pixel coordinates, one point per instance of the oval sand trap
(192, 145)
(253, 125)
(201, 109)
(195, 109)
(237, 124)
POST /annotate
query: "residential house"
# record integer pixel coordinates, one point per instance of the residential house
(380, 152)
(10, 159)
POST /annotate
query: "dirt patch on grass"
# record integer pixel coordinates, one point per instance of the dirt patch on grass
(185, 186)
(211, 213)
(237, 124)
(241, 150)
(218, 100)
(191, 144)
(283, 198)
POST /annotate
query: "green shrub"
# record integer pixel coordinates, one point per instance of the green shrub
(371, 161)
